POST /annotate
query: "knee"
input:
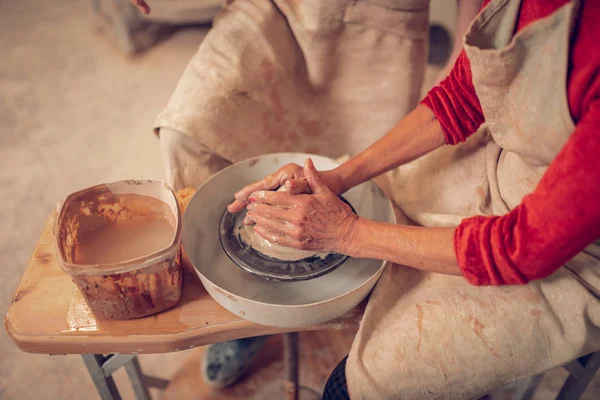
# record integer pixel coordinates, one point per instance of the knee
(336, 387)
(186, 161)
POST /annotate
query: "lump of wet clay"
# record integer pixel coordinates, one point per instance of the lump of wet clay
(269, 249)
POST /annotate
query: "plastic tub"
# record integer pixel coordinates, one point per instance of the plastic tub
(121, 289)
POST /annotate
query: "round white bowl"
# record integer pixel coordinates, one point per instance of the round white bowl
(279, 304)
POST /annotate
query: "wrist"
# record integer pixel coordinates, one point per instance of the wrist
(352, 239)
(344, 175)
(336, 181)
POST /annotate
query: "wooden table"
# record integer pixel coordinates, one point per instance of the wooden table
(48, 315)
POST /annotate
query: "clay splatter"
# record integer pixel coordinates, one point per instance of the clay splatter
(43, 258)
(536, 312)
(531, 296)
(20, 295)
(478, 328)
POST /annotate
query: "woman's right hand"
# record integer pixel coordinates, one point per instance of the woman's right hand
(291, 177)
(141, 5)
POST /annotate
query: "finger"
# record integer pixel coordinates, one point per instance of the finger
(278, 238)
(281, 199)
(236, 206)
(315, 180)
(268, 183)
(271, 182)
(297, 186)
(282, 228)
(273, 212)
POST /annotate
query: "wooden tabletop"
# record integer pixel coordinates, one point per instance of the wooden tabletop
(48, 315)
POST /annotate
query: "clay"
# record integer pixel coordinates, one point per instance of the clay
(272, 250)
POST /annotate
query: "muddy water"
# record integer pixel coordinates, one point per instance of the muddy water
(124, 240)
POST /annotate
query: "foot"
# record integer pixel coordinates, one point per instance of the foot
(225, 363)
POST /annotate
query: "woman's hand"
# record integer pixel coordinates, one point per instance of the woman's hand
(141, 5)
(292, 178)
(320, 221)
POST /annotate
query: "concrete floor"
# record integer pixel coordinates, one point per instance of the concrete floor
(74, 112)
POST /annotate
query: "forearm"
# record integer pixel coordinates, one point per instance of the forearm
(427, 249)
(415, 135)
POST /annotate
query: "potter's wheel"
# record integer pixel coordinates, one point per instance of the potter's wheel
(267, 267)
(269, 302)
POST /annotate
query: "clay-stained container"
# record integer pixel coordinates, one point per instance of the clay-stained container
(130, 288)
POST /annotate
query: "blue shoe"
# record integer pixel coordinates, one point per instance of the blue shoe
(225, 362)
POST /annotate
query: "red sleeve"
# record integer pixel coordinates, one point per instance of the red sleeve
(551, 225)
(455, 103)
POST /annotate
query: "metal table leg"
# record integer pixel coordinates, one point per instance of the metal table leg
(104, 384)
(290, 360)
(102, 367)
(135, 376)
(581, 373)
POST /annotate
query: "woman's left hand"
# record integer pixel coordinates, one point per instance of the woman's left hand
(320, 221)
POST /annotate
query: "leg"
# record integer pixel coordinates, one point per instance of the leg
(336, 387)
(188, 164)
(101, 369)
(434, 336)
(290, 358)
(225, 363)
(529, 391)
(104, 384)
(579, 377)
(135, 376)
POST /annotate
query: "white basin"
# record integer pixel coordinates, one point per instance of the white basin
(279, 304)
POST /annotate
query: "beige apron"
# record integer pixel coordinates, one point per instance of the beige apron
(320, 76)
(429, 336)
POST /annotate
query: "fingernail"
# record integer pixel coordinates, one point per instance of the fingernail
(251, 206)
(262, 194)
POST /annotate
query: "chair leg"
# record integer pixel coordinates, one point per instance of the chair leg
(136, 377)
(291, 361)
(528, 392)
(104, 384)
(102, 367)
(574, 387)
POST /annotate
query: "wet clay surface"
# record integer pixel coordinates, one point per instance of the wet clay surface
(126, 240)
